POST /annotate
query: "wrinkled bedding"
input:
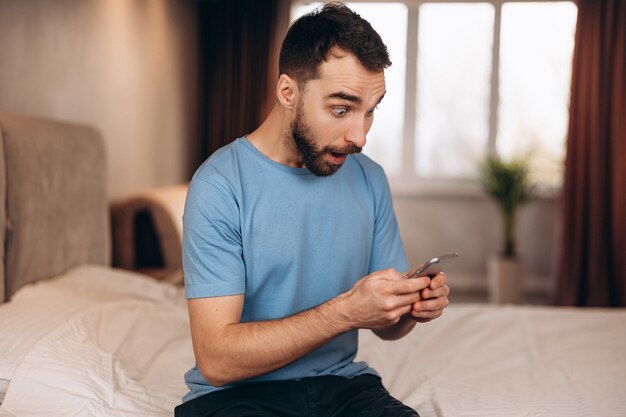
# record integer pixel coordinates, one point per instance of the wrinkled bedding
(103, 342)
(485, 360)
(113, 343)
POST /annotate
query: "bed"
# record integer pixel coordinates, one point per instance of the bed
(80, 338)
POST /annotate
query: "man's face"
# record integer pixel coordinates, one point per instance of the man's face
(335, 112)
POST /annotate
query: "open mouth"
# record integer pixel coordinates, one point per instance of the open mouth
(338, 158)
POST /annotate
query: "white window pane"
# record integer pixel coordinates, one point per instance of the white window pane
(455, 43)
(384, 141)
(537, 42)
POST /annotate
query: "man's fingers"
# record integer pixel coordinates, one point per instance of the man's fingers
(407, 299)
(397, 283)
(430, 305)
(434, 299)
(439, 292)
(438, 280)
(426, 316)
(411, 285)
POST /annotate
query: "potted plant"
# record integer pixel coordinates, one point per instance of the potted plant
(508, 185)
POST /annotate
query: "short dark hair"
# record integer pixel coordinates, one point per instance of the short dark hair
(312, 37)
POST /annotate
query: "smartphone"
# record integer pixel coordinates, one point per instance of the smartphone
(434, 265)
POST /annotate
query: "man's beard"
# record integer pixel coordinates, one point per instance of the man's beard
(312, 158)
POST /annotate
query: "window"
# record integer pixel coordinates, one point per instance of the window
(470, 79)
(537, 41)
(454, 44)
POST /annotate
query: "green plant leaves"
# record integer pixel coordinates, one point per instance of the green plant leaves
(508, 184)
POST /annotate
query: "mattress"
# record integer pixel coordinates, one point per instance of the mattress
(103, 342)
(484, 360)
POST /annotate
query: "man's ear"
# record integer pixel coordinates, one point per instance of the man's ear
(287, 91)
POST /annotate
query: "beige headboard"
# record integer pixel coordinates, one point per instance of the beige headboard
(53, 200)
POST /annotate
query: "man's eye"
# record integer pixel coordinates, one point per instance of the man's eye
(370, 112)
(339, 111)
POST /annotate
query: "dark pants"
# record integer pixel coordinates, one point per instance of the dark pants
(324, 396)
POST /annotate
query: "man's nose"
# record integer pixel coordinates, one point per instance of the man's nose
(356, 133)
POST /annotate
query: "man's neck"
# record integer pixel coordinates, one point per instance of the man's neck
(273, 139)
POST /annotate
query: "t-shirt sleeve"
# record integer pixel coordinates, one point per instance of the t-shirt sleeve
(212, 248)
(388, 249)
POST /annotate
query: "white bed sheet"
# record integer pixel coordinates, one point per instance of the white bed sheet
(483, 361)
(99, 342)
(38, 309)
(124, 358)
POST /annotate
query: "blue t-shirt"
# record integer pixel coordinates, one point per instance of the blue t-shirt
(288, 241)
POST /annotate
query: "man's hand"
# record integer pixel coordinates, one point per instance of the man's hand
(431, 301)
(434, 299)
(380, 299)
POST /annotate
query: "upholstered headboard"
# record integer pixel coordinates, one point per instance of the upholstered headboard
(53, 200)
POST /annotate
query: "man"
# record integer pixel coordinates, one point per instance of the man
(291, 243)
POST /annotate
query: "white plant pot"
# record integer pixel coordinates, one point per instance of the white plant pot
(505, 277)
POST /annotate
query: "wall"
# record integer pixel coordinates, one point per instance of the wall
(469, 224)
(126, 67)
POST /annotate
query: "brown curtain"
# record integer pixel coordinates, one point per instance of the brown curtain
(592, 270)
(238, 67)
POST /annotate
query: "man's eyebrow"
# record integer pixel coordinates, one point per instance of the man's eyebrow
(352, 98)
(345, 96)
